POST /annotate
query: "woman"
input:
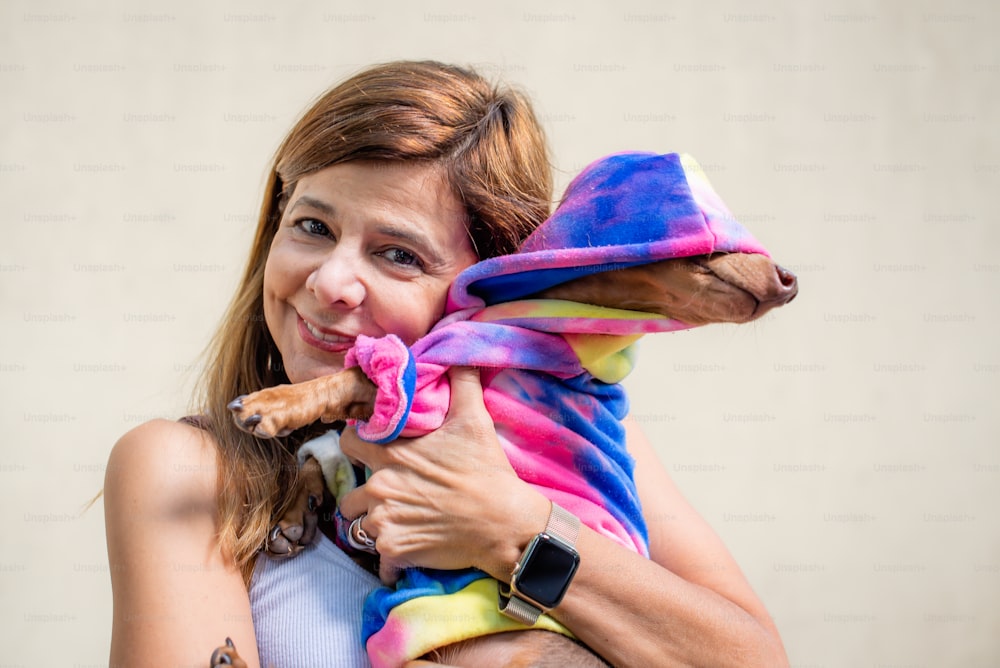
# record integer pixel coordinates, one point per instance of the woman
(389, 186)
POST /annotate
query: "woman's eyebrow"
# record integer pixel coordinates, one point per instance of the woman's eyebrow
(317, 204)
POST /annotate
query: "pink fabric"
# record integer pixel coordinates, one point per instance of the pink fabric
(385, 361)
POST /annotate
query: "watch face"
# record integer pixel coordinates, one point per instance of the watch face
(546, 571)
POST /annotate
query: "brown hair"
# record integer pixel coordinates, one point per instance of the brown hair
(493, 150)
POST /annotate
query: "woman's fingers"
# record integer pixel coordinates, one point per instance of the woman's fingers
(355, 504)
(466, 392)
(358, 450)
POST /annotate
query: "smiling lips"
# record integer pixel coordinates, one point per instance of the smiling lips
(334, 343)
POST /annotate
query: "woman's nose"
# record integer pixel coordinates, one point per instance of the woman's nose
(338, 282)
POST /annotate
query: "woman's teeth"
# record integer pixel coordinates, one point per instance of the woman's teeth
(329, 338)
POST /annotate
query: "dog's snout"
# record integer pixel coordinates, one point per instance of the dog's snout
(787, 286)
(780, 287)
(756, 284)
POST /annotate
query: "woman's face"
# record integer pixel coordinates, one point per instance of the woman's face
(362, 248)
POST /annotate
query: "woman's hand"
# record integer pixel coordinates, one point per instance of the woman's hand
(446, 500)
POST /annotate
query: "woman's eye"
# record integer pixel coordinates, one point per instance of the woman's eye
(402, 257)
(313, 226)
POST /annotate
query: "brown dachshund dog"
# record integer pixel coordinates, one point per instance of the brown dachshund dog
(733, 288)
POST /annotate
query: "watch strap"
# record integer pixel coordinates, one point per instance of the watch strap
(516, 607)
(563, 525)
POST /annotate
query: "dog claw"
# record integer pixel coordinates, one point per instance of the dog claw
(226, 655)
(236, 404)
(220, 657)
(278, 546)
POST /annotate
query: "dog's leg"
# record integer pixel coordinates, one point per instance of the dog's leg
(226, 655)
(297, 526)
(278, 411)
(322, 466)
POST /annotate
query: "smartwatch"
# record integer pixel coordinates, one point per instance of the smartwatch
(544, 571)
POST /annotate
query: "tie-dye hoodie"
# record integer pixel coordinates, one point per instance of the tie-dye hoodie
(550, 371)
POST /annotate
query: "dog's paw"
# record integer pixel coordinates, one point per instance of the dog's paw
(283, 542)
(297, 526)
(226, 655)
(260, 414)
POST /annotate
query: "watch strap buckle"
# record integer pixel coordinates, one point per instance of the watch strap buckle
(515, 607)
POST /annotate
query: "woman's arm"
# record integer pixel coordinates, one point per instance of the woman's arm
(690, 605)
(176, 595)
(451, 500)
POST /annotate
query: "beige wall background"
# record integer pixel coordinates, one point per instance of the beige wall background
(845, 448)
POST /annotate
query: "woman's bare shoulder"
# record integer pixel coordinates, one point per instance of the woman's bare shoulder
(163, 467)
(170, 577)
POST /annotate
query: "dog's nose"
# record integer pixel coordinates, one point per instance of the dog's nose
(785, 288)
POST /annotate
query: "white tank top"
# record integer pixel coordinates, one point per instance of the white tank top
(307, 610)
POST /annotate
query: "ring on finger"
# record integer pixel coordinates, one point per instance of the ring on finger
(358, 538)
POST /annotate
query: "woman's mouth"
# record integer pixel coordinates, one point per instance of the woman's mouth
(328, 341)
